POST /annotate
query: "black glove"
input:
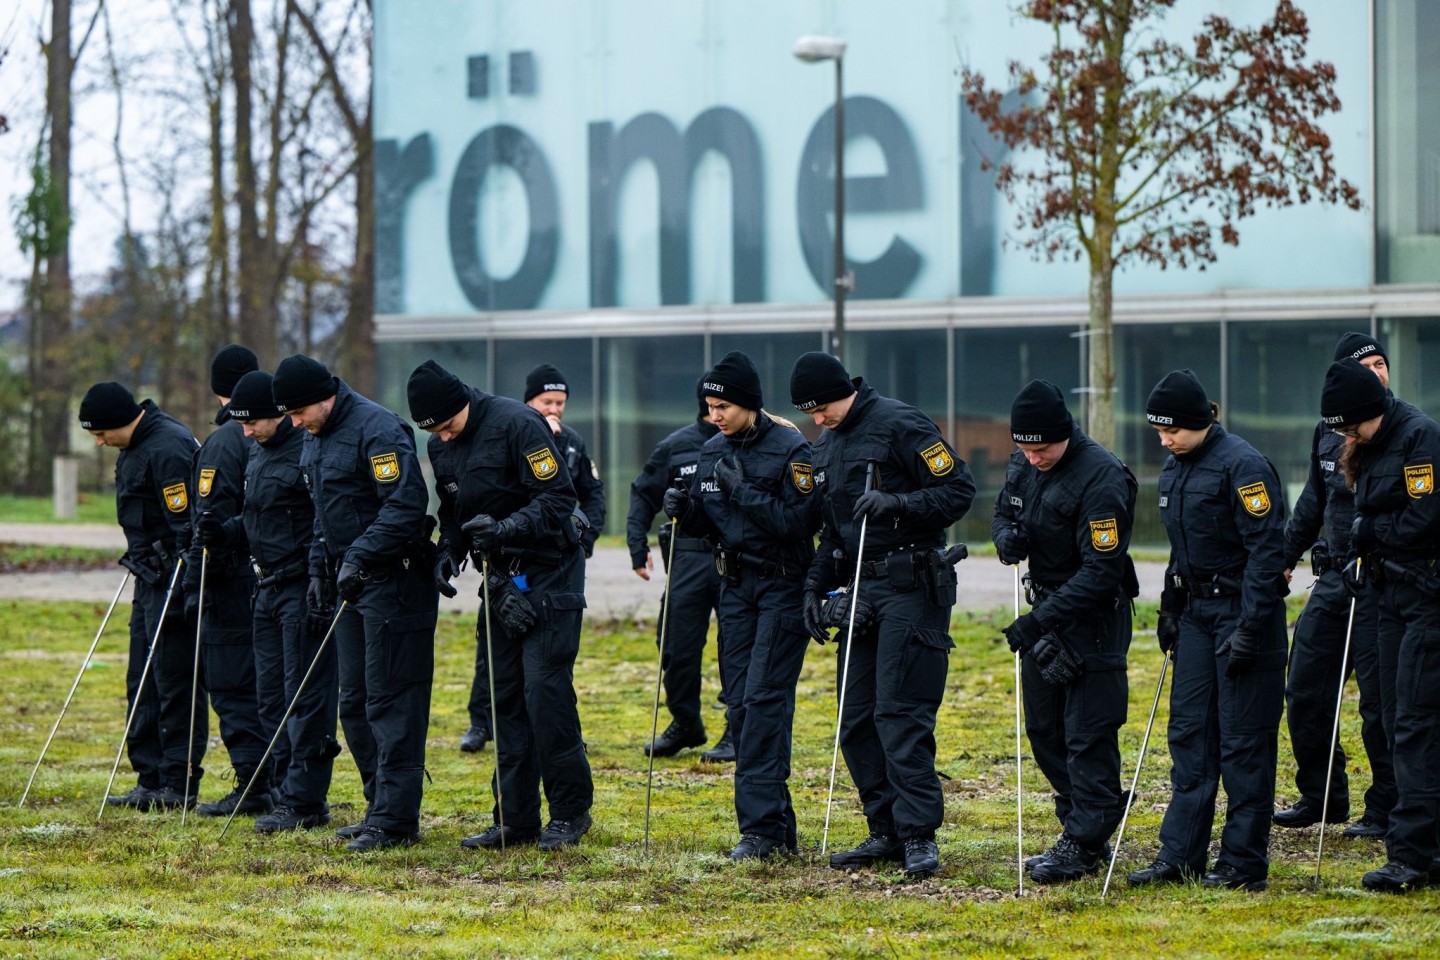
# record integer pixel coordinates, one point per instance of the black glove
(878, 505)
(677, 502)
(1362, 533)
(210, 531)
(1240, 648)
(1354, 576)
(837, 611)
(141, 569)
(486, 533)
(1012, 546)
(815, 616)
(1058, 666)
(320, 597)
(509, 605)
(1023, 634)
(350, 581)
(446, 569)
(1167, 631)
(729, 476)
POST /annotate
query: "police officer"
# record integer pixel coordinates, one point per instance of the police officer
(1390, 457)
(751, 497)
(1069, 505)
(547, 391)
(505, 495)
(1222, 616)
(1327, 505)
(898, 664)
(692, 588)
(152, 503)
(226, 649)
(372, 549)
(275, 530)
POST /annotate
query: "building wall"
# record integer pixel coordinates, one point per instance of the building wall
(630, 188)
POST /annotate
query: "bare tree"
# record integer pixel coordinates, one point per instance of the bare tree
(1149, 149)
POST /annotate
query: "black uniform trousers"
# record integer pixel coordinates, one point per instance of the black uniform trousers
(285, 649)
(156, 744)
(1074, 730)
(1223, 728)
(1312, 685)
(539, 738)
(764, 649)
(1410, 692)
(693, 591)
(386, 663)
(229, 658)
(479, 706)
(893, 688)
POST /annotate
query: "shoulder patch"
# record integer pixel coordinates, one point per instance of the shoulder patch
(207, 480)
(176, 498)
(1255, 498)
(938, 459)
(542, 464)
(385, 467)
(1420, 480)
(802, 477)
(1104, 535)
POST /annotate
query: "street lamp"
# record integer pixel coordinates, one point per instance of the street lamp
(813, 49)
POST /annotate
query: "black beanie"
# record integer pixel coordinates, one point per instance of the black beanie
(735, 380)
(253, 398)
(818, 378)
(435, 394)
(1039, 414)
(1352, 394)
(108, 406)
(300, 381)
(700, 395)
(1179, 400)
(1358, 346)
(229, 365)
(542, 379)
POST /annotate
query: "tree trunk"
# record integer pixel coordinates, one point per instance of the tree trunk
(1101, 344)
(256, 286)
(49, 417)
(358, 336)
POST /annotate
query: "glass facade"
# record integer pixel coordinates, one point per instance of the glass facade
(1407, 129)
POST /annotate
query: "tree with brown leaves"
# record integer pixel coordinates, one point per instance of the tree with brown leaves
(1150, 148)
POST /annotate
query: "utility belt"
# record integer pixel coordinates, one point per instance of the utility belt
(276, 576)
(1035, 591)
(682, 543)
(728, 564)
(1418, 573)
(1217, 585)
(909, 567)
(1322, 560)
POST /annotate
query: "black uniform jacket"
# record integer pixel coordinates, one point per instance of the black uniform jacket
(674, 458)
(152, 487)
(1396, 483)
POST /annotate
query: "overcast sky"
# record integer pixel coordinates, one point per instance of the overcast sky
(147, 41)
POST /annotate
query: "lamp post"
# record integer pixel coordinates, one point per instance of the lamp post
(814, 49)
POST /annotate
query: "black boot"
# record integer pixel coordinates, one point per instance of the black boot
(676, 737)
(1161, 871)
(172, 798)
(474, 739)
(285, 817)
(376, 838)
(489, 839)
(139, 798)
(1306, 813)
(259, 801)
(1396, 877)
(872, 850)
(1066, 861)
(922, 857)
(564, 833)
(1366, 828)
(1233, 878)
(755, 847)
(723, 751)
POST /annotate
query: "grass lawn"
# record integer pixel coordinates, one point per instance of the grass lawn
(89, 508)
(141, 885)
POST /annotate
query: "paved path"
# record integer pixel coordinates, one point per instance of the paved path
(612, 589)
